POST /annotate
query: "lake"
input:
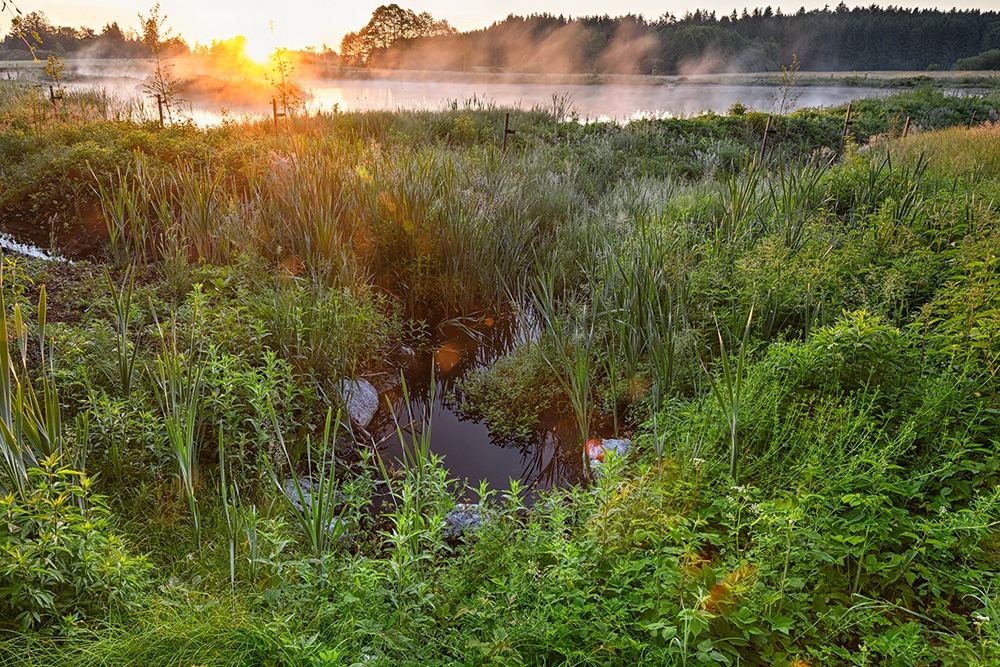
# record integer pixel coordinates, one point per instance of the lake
(610, 102)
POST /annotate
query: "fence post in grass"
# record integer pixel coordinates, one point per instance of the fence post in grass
(847, 125)
(277, 114)
(906, 127)
(55, 96)
(763, 144)
(506, 129)
(159, 106)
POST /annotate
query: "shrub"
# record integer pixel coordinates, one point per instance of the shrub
(60, 557)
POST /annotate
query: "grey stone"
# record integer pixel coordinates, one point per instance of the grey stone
(463, 518)
(619, 447)
(360, 399)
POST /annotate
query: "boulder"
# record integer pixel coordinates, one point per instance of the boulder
(597, 448)
(360, 400)
(461, 519)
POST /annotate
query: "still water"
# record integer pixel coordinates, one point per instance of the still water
(549, 457)
(619, 102)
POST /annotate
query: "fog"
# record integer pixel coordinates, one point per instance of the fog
(211, 103)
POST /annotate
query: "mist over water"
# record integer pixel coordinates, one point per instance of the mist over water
(609, 102)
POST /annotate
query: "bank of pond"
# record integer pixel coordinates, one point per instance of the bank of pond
(375, 389)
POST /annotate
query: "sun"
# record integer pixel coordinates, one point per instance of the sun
(260, 47)
(261, 44)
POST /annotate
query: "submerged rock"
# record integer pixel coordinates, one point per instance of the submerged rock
(360, 399)
(597, 449)
(463, 518)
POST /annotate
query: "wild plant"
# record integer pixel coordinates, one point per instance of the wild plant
(231, 506)
(125, 206)
(30, 425)
(314, 503)
(127, 350)
(728, 391)
(200, 210)
(792, 193)
(289, 93)
(568, 350)
(179, 375)
(63, 559)
(158, 38)
(740, 204)
(418, 497)
(311, 201)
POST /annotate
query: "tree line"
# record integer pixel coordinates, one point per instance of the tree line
(863, 38)
(62, 41)
(838, 39)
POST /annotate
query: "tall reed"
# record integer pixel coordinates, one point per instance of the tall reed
(30, 424)
(179, 375)
(729, 392)
(568, 350)
(313, 505)
(127, 350)
(793, 194)
(125, 205)
(736, 222)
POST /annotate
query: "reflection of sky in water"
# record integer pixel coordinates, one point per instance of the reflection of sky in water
(619, 102)
(549, 458)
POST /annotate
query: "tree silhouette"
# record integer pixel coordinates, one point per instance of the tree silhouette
(389, 24)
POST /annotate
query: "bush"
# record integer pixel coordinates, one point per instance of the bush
(60, 558)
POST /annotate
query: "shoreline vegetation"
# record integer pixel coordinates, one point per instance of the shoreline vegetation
(792, 318)
(82, 70)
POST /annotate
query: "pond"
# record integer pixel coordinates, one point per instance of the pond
(614, 102)
(550, 457)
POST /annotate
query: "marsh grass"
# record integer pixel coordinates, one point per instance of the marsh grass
(179, 374)
(30, 420)
(630, 247)
(795, 195)
(314, 503)
(569, 351)
(728, 390)
(971, 153)
(127, 349)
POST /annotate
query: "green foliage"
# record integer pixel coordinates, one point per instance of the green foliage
(987, 60)
(858, 406)
(511, 394)
(62, 561)
(30, 421)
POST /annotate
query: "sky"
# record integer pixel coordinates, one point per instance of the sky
(300, 23)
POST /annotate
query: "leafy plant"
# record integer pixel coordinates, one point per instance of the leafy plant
(313, 500)
(30, 425)
(59, 561)
(729, 391)
(179, 376)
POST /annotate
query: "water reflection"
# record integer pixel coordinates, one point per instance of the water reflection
(619, 102)
(549, 458)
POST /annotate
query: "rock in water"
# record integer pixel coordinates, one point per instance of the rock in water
(597, 449)
(360, 399)
(461, 519)
(619, 447)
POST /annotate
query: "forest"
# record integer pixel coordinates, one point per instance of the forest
(839, 39)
